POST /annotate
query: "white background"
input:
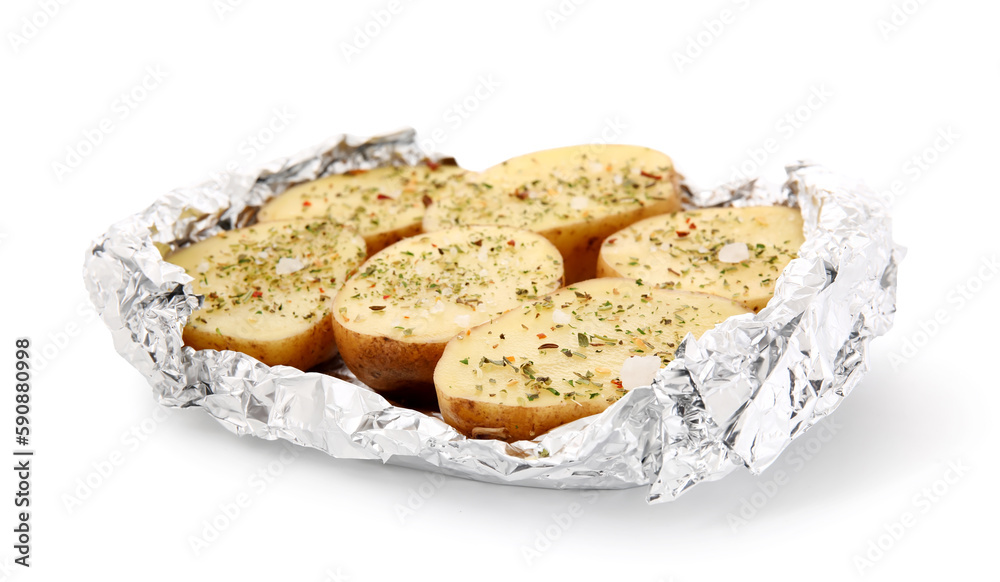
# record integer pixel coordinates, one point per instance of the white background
(706, 82)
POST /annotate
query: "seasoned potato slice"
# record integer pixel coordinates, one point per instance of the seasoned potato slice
(268, 289)
(394, 316)
(573, 196)
(384, 204)
(564, 357)
(736, 253)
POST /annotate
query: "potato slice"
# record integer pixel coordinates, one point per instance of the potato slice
(736, 253)
(268, 289)
(384, 204)
(393, 318)
(561, 358)
(573, 196)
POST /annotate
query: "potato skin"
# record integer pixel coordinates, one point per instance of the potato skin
(393, 367)
(499, 195)
(301, 351)
(380, 240)
(603, 268)
(515, 423)
(580, 243)
(565, 357)
(400, 362)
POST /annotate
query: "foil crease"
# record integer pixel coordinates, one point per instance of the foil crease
(736, 397)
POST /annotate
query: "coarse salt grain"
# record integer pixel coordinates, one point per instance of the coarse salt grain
(287, 266)
(734, 253)
(639, 371)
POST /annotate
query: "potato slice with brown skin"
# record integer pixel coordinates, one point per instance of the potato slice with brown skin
(384, 204)
(736, 253)
(574, 196)
(395, 315)
(268, 289)
(559, 359)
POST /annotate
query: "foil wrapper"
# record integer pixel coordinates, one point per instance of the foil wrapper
(736, 397)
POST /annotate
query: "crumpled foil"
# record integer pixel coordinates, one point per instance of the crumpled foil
(736, 397)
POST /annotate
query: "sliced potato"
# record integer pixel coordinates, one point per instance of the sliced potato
(268, 289)
(736, 253)
(384, 204)
(564, 357)
(394, 316)
(573, 196)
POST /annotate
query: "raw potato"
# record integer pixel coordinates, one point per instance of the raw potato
(561, 358)
(573, 196)
(268, 289)
(688, 250)
(394, 317)
(385, 204)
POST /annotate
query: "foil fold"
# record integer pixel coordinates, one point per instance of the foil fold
(736, 397)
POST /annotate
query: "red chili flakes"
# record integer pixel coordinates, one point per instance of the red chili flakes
(511, 242)
(648, 175)
(307, 203)
(386, 296)
(355, 172)
(257, 294)
(383, 197)
(691, 223)
(432, 165)
(682, 233)
(542, 336)
(321, 290)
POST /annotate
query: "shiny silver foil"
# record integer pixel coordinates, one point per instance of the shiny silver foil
(736, 397)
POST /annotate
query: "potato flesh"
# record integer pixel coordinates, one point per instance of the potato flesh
(560, 359)
(430, 287)
(245, 296)
(375, 202)
(681, 251)
(574, 196)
